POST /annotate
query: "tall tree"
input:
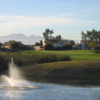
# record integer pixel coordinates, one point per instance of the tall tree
(47, 35)
(0, 45)
(51, 32)
(91, 36)
(58, 38)
(49, 39)
(83, 36)
(92, 44)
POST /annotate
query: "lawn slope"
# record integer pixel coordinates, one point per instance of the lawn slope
(82, 72)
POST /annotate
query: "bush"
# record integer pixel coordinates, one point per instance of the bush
(97, 48)
(49, 47)
(67, 47)
(23, 59)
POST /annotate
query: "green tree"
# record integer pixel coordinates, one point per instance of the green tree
(83, 36)
(92, 44)
(67, 47)
(16, 45)
(58, 38)
(37, 44)
(41, 42)
(0, 45)
(71, 42)
(47, 35)
(91, 36)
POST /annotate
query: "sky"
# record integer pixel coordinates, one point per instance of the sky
(66, 17)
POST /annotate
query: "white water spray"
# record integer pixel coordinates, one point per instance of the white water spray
(14, 79)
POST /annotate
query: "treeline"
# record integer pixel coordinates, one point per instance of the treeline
(64, 47)
(92, 38)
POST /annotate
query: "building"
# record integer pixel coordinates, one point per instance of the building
(84, 45)
(77, 46)
(38, 47)
(6, 45)
(57, 45)
(63, 42)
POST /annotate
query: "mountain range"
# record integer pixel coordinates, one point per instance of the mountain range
(32, 39)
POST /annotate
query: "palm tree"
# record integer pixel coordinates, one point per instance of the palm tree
(83, 36)
(46, 35)
(51, 32)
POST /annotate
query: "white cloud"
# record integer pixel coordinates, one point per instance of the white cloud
(11, 23)
(28, 21)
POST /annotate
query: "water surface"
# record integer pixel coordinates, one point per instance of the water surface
(50, 92)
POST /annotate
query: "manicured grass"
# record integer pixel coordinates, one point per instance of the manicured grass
(83, 65)
(75, 55)
(64, 72)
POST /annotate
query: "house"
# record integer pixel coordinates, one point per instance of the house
(6, 45)
(57, 45)
(38, 47)
(62, 42)
(84, 45)
(77, 46)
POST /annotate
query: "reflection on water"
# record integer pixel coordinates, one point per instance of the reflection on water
(12, 95)
(50, 92)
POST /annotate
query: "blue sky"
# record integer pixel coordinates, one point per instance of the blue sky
(65, 17)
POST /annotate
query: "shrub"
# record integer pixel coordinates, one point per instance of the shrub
(97, 48)
(22, 59)
(49, 47)
(67, 47)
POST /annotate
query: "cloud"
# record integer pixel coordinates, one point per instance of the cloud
(10, 24)
(23, 21)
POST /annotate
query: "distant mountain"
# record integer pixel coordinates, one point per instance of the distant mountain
(32, 39)
(16, 35)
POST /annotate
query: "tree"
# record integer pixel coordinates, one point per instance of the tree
(67, 47)
(58, 38)
(12, 41)
(47, 35)
(16, 45)
(92, 44)
(51, 32)
(41, 42)
(71, 42)
(83, 36)
(91, 36)
(49, 38)
(0, 45)
(37, 44)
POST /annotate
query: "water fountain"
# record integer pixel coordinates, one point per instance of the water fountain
(14, 79)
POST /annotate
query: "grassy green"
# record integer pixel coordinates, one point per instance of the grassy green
(30, 57)
(83, 65)
(86, 72)
(75, 55)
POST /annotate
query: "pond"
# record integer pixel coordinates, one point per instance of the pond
(47, 91)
